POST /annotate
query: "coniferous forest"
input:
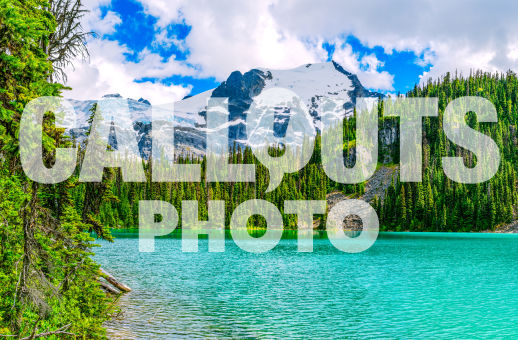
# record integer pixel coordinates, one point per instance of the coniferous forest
(48, 280)
(435, 204)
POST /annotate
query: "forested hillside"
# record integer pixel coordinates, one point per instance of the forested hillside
(435, 204)
(439, 204)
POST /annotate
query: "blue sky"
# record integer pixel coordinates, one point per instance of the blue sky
(137, 30)
(401, 64)
(163, 49)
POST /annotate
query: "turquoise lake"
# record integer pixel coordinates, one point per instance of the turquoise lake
(408, 285)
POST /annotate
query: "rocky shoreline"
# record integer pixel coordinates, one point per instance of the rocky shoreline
(375, 186)
(511, 228)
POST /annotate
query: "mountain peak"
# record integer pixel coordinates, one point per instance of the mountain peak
(144, 101)
(112, 95)
(311, 82)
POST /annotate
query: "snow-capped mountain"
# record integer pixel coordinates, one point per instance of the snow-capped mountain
(310, 82)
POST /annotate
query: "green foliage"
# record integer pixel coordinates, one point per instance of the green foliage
(310, 183)
(435, 204)
(47, 277)
(439, 204)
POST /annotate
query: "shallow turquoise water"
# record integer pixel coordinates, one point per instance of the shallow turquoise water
(408, 285)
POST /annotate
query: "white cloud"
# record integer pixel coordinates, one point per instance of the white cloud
(152, 65)
(458, 35)
(162, 39)
(236, 35)
(366, 67)
(166, 11)
(223, 38)
(106, 25)
(229, 35)
(463, 59)
(109, 72)
(243, 35)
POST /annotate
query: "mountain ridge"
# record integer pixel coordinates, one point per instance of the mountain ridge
(311, 82)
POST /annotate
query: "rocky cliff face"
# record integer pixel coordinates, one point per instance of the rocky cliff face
(388, 141)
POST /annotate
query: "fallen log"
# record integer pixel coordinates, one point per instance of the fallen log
(112, 280)
(108, 289)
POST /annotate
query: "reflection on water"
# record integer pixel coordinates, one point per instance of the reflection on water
(406, 286)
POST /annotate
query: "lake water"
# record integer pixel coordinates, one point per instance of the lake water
(408, 285)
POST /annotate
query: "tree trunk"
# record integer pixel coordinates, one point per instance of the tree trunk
(114, 281)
